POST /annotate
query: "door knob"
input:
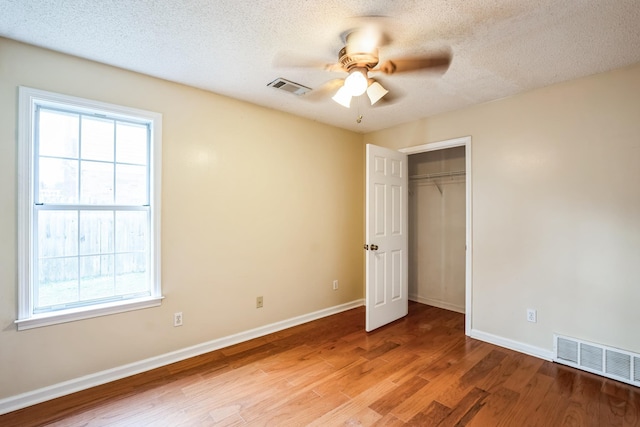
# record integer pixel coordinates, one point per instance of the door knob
(374, 247)
(366, 247)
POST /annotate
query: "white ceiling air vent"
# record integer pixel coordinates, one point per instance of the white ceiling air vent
(289, 86)
(599, 359)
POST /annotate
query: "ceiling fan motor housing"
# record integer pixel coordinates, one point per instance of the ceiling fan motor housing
(349, 59)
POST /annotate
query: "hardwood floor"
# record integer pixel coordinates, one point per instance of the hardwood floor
(421, 370)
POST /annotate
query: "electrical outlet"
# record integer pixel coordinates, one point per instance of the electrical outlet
(259, 302)
(177, 319)
(335, 285)
(532, 315)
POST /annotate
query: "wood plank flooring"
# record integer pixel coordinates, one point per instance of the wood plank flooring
(419, 371)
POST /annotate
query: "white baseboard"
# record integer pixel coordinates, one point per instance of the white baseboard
(24, 400)
(438, 303)
(512, 345)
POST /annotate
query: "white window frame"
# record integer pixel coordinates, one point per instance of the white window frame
(28, 100)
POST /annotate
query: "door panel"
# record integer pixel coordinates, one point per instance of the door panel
(387, 238)
(397, 258)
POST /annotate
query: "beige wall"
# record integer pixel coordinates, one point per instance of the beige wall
(556, 208)
(254, 202)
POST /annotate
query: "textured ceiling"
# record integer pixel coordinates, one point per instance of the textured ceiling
(500, 47)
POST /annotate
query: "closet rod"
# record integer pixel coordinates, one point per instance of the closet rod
(436, 175)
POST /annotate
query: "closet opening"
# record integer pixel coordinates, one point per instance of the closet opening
(438, 228)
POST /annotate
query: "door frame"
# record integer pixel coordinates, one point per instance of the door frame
(465, 142)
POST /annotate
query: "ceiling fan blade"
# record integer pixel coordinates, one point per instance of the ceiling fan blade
(374, 28)
(324, 91)
(289, 60)
(402, 65)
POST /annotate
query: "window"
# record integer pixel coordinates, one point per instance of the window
(89, 208)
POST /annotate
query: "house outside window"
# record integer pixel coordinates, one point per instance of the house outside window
(89, 208)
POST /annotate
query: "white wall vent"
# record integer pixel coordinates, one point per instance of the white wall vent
(289, 86)
(620, 365)
(591, 357)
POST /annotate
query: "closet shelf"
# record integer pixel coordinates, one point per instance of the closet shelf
(435, 175)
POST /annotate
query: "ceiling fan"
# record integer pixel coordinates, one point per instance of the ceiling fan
(359, 57)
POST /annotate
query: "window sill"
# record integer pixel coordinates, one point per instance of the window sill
(72, 315)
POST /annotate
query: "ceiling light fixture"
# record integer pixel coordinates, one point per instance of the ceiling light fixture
(375, 91)
(356, 84)
(343, 97)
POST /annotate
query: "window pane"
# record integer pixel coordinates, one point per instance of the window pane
(81, 163)
(58, 134)
(96, 232)
(57, 281)
(96, 277)
(97, 139)
(57, 234)
(131, 232)
(131, 185)
(96, 183)
(131, 143)
(131, 273)
(57, 181)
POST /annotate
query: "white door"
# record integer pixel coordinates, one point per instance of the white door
(387, 237)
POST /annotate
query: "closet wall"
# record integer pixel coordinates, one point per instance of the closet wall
(437, 228)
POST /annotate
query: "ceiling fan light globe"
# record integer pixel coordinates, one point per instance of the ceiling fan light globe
(375, 92)
(343, 97)
(356, 82)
